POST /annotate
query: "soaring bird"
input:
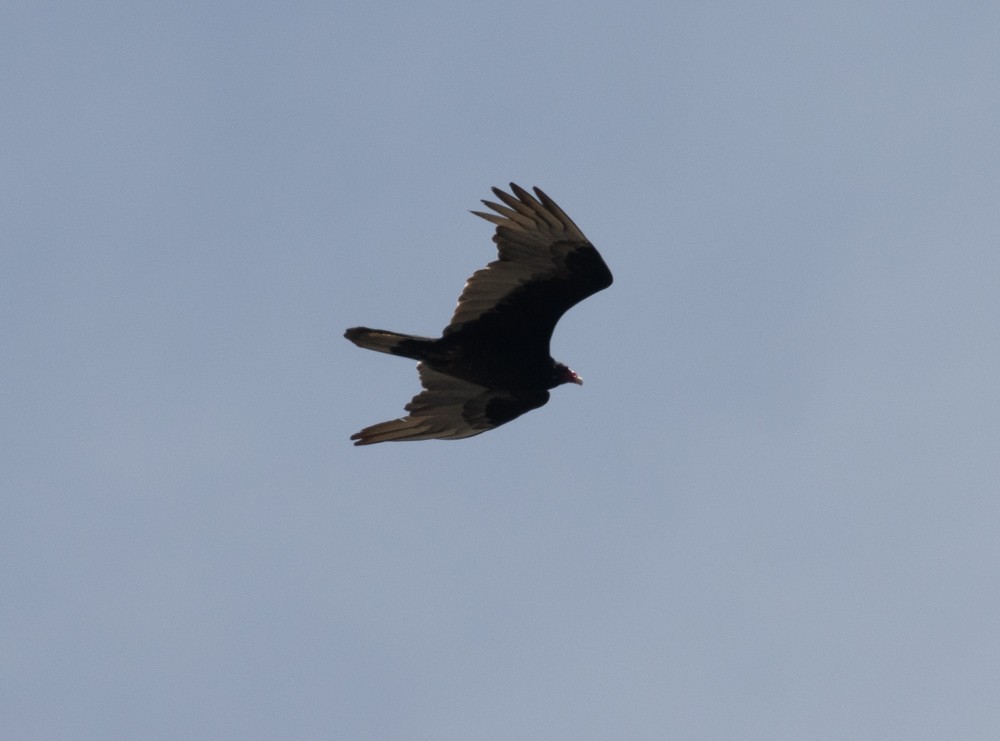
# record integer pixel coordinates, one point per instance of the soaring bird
(492, 363)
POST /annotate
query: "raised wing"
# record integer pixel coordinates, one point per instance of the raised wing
(545, 266)
(449, 409)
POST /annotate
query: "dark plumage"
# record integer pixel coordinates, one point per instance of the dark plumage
(492, 362)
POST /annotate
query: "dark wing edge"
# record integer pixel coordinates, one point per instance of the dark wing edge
(449, 409)
(537, 243)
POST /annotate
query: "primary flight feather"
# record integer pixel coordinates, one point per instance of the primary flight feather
(492, 363)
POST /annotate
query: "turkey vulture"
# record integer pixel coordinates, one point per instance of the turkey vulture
(492, 362)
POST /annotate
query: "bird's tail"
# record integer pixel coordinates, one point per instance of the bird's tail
(394, 343)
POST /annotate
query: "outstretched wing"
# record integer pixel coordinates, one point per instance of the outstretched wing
(545, 266)
(449, 409)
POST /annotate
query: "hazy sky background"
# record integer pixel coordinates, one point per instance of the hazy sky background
(772, 512)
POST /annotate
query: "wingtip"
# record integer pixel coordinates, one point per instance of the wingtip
(519, 191)
(360, 438)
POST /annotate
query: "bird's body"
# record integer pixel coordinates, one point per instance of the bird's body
(492, 362)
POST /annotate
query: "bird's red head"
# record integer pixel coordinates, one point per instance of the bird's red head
(567, 375)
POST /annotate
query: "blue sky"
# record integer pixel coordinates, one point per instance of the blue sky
(772, 510)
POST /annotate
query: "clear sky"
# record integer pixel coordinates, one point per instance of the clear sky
(772, 512)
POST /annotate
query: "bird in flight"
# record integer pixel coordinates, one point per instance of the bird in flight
(492, 363)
